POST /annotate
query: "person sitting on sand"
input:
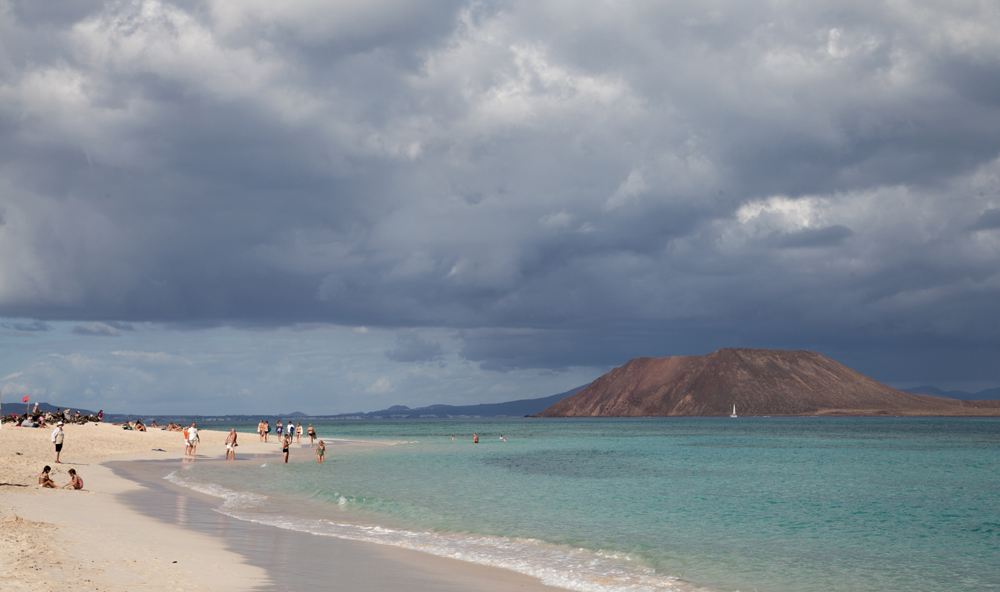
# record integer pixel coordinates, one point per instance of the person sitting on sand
(44, 480)
(75, 481)
(320, 451)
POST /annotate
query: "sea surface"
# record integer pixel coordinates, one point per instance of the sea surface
(601, 505)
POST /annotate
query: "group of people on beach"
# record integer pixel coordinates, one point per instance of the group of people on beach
(289, 432)
(294, 431)
(44, 480)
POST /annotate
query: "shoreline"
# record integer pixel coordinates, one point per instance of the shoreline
(114, 535)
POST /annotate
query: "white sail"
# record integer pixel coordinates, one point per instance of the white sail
(734, 410)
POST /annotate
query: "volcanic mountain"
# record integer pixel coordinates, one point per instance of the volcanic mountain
(757, 381)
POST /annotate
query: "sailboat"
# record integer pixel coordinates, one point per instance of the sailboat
(734, 411)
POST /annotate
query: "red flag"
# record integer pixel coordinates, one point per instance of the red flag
(25, 399)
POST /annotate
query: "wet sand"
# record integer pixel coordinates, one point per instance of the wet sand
(132, 530)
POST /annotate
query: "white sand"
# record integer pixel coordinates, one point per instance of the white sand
(89, 540)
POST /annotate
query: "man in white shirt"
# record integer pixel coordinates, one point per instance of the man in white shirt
(57, 439)
(193, 438)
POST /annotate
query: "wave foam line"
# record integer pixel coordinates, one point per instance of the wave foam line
(573, 569)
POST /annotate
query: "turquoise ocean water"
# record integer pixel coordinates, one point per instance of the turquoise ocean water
(767, 504)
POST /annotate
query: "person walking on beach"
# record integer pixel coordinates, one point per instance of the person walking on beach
(278, 429)
(187, 443)
(57, 439)
(231, 444)
(75, 481)
(312, 434)
(284, 446)
(320, 451)
(267, 431)
(298, 433)
(260, 430)
(193, 438)
(44, 480)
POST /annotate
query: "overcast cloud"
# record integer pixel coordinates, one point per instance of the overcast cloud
(503, 192)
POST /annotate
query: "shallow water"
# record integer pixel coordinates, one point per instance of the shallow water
(642, 504)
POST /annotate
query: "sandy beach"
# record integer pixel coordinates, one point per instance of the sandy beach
(92, 540)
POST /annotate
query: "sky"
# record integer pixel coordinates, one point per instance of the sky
(249, 206)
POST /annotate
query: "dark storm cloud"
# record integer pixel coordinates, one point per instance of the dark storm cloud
(827, 236)
(97, 329)
(28, 326)
(411, 347)
(989, 220)
(565, 185)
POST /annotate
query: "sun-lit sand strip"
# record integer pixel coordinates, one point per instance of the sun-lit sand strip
(51, 539)
(56, 539)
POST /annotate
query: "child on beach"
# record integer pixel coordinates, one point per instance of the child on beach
(75, 481)
(44, 480)
(320, 451)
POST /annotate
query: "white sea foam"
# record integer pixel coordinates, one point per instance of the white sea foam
(574, 569)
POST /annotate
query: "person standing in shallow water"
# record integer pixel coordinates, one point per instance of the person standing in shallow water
(320, 452)
(284, 446)
(312, 434)
(475, 438)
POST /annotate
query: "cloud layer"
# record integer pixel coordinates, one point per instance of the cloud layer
(560, 185)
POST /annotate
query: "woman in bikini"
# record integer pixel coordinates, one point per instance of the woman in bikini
(44, 480)
(312, 434)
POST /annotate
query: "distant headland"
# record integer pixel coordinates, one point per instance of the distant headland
(758, 382)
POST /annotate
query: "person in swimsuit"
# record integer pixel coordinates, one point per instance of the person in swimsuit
(231, 444)
(475, 438)
(260, 430)
(284, 446)
(312, 434)
(278, 429)
(75, 481)
(44, 480)
(267, 431)
(298, 433)
(320, 451)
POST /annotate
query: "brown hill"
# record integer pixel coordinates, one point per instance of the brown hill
(757, 381)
